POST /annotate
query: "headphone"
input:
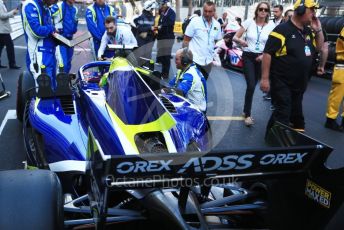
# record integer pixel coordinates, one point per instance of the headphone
(186, 59)
(301, 9)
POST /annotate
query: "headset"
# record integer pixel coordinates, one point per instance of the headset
(301, 9)
(186, 59)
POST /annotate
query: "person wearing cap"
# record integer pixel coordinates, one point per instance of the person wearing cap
(145, 30)
(65, 18)
(201, 36)
(95, 20)
(287, 60)
(114, 34)
(165, 37)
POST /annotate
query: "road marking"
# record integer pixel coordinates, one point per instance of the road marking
(225, 118)
(11, 114)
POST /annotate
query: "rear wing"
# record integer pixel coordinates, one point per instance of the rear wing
(301, 191)
(158, 170)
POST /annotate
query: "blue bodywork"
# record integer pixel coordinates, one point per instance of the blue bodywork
(113, 113)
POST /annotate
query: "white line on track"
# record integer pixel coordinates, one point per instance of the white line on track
(11, 114)
(225, 118)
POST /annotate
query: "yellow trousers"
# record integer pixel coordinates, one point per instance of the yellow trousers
(335, 99)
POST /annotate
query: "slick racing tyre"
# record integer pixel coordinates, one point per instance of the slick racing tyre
(25, 89)
(30, 199)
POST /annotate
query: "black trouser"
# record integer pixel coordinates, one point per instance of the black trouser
(288, 105)
(205, 69)
(144, 50)
(252, 72)
(164, 55)
(6, 40)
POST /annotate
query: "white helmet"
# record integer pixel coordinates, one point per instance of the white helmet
(149, 5)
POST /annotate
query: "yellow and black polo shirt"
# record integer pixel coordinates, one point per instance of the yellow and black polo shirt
(291, 51)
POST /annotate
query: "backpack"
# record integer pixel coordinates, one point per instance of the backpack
(186, 23)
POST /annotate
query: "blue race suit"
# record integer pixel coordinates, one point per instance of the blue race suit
(95, 20)
(38, 27)
(66, 22)
(193, 85)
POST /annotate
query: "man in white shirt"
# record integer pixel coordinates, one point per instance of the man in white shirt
(114, 35)
(201, 36)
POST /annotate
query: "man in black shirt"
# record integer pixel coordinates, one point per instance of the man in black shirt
(287, 59)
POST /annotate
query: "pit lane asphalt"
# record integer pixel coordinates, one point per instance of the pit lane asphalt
(226, 89)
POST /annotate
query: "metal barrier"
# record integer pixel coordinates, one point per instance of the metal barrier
(17, 27)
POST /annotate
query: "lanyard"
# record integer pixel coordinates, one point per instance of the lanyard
(165, 13)
(208, 31)
(302, 35)
(180, 73)
(102, 10)
(258, 34)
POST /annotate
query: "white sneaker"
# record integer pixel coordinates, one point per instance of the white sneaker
(249, 121)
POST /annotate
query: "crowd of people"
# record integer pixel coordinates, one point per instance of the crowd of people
(279, 52)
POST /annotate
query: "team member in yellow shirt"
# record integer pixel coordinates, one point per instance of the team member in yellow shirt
(336, 96)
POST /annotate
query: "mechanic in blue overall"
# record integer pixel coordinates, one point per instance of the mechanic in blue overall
(95, 20)
(65, 20)
(145, 30)
(190, 80)
(38, 28)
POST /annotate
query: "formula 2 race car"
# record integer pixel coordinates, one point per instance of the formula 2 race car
(285, 187)
(122, 155)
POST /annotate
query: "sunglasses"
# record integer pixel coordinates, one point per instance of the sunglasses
(263, 9)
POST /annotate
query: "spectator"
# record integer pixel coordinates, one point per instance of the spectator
(165, 37)
(278, 14)
(201, 35)
(114, 35)
(223, 21)
(145, 30)
(288, 14)
(95, 18)
(257, 32)
(190, 80)
(65, 18)
(40, 44)
(5, 35)
(287, 61)
(335, 99)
